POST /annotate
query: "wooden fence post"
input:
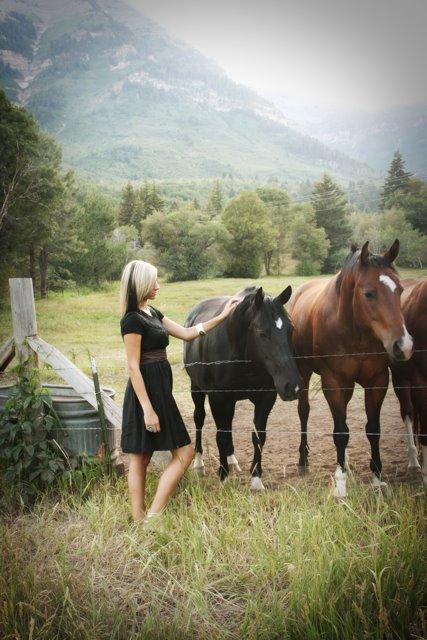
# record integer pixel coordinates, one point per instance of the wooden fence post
(23, 315)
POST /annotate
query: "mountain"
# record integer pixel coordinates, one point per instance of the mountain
(368, 137)
(127, 100)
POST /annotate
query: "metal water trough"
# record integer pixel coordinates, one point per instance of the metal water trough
(78, 417)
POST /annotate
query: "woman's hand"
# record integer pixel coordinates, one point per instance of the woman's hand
(151, 420)
(229, 306)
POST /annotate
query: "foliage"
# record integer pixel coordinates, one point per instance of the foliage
(304, 567)
(330, 208)
(138, 203)
(30, 459)
(278, 206)
(309, 244)
(183, 240)
(249, 232)
(95, 224)
(397, 181)
(382, 229)
(215, 204)
(413, 201)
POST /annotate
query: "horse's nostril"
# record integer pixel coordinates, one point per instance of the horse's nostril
(397, 351)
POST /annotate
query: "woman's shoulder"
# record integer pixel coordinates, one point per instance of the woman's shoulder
(131, 322)
(158, 313)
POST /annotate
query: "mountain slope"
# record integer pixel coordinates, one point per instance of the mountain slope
(368, 137)
(126, 100)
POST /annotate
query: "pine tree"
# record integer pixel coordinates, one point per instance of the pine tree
(127, 206)
(397, 181)
(330, 209)
(214, 205)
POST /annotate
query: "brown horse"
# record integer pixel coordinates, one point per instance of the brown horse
(356, 312)
(410, 378)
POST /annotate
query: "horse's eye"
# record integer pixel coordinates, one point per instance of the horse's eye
(262, 334)
(370, 295)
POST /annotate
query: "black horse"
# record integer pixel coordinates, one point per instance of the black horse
(255, 343)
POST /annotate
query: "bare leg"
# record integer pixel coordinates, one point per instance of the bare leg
(171, 476)
(136, 482)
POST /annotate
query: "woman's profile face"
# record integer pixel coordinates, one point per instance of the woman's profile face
(154, 290)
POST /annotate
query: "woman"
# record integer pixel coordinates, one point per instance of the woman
(151, 418)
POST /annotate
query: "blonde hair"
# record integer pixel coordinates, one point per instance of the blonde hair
(138, 278)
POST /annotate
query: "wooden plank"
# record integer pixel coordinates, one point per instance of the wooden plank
(7, 353)
(23, 313)
(76, 378)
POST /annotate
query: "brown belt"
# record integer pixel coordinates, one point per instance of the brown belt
(153, 355)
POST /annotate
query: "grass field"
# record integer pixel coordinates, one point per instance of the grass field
(223, 563)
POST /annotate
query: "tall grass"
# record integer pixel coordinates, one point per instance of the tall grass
(222, 564)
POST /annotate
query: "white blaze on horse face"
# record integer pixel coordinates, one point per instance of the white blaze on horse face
(407, 342)
(279, 323)
(388, 282)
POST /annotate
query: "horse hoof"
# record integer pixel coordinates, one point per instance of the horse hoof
(414, 472)
(379, 486)
(256, 484)
(233, 464)
(339, 483)
(303, 469)
(199, 465)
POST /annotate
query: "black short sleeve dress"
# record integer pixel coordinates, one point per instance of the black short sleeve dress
(157, 377)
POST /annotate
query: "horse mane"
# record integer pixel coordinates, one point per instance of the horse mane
(373, 260)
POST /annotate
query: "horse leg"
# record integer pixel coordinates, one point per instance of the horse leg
(373, 402)
(304, 412)
(407, 413)
(338, 400)
(199, 416)
(263, 405)
(419, 398)
(222, 408)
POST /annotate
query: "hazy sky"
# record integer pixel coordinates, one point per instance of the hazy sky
(352, 54)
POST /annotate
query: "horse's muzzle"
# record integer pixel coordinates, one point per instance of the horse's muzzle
(289, 391)
(403, 348)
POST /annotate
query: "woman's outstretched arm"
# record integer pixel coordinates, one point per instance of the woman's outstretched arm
(190, 333)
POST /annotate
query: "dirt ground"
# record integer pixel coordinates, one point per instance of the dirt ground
(280, 454)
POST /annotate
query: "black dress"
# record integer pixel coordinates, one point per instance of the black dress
(157, 377)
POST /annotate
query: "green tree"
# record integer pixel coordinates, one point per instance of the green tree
(128, 205)
(381, 229)
(95, 225)
(278, 203)
(309, 244)
(249, 232)
(397, 181)
(214, 204)
(148, 201)
(20, 178)
(414, 203)
(184, 241)
(330, 210)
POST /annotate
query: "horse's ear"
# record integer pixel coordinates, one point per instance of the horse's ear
(365, 253)
(259, 297)
(393, 252)
(284, 296)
